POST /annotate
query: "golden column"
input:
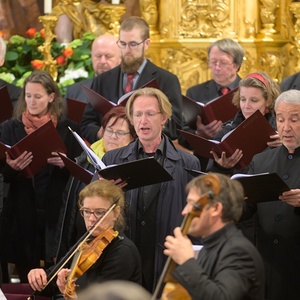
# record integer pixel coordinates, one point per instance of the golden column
(295, 9)
(49, 23)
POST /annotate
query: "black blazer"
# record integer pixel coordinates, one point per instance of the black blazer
(110, 85)
(291, 82)
(76, 91)
(206, 91)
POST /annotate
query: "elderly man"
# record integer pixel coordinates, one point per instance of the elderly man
(153, 211)
(105, 56)
(278, 222)
(225, 58)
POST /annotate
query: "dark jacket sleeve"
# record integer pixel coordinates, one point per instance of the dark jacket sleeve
(90, 123)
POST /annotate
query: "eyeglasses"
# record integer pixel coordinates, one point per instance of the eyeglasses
(86, 213)
(148, 114)
(131, 45)
(118, 134)
(221, 64)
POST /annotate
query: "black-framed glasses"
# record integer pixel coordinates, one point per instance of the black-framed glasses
(118, 134)
(221, 64)
(86, 213)
(131, 45)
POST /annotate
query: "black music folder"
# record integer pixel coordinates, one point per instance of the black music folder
(137, 173)
(262, 187)
(221, 109)
(251, 136)
(41, 143)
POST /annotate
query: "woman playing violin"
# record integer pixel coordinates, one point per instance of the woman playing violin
(228, 266)
(118, 260)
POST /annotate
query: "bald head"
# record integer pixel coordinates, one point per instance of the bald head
(105, 53)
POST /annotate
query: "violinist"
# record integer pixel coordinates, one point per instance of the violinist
(119, 259)
(228, 266)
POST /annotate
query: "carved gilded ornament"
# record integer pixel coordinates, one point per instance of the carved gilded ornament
(268, 15)
(49, 23)
(295, 8)
(204, 20)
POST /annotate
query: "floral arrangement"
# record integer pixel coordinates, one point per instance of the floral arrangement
(23, 56)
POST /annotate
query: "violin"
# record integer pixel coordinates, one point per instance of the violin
(79, 247)
(86, 257)
(168, 288)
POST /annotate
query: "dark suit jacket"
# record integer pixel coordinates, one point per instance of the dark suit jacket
(109, 85)
(206, 91)
(291, 82)
(13, 91)
(75, 90)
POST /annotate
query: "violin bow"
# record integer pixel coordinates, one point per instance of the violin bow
(73, 250)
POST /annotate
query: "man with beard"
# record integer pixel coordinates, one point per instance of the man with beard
(135, 71)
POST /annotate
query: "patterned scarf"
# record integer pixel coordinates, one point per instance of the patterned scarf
(31, 123)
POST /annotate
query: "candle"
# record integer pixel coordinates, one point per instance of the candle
(115, 1)
(47, 6)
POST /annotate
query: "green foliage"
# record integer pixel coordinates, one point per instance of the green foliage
(22, 51)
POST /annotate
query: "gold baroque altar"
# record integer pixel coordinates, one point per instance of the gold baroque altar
(181, 30)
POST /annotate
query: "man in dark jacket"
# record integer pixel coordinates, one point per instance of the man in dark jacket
(291, 82)
(134, 72)
(153, 211)
(278, 222)
(228, 266)
(225, 58)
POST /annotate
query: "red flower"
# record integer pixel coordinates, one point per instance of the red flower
(42, 33)
(31, 32)
(37, 64)
(60, 60)
(68, 52)
(2, 34)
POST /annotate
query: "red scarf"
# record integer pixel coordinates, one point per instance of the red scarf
(31, 123)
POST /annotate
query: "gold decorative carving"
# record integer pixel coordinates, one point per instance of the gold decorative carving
(295, 8)
(268, 16)
(181, 31)
(273, 64)
(188, 64)
(150, 14)
(111, 17)
(200, 19)
(49, 23)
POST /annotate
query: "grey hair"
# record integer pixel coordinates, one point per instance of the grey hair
(290, 97)
(231, 47)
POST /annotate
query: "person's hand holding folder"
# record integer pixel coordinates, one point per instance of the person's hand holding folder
(21, 162)
(228, 162)
(56, 160)
(208, 130)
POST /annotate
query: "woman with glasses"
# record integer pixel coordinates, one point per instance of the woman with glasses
(117, 132)
(119, 259)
